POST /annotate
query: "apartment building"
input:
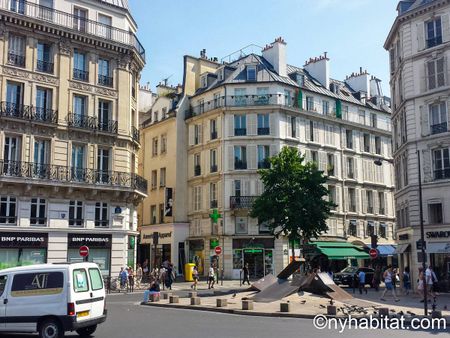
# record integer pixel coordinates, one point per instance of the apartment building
(419, 49)
(69, 75)
(243, 112)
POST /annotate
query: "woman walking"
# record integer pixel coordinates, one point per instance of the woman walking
(406, 281)
(194, 277)
(420, 284)
(388, 281)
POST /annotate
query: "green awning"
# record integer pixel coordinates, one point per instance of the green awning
(340, 250)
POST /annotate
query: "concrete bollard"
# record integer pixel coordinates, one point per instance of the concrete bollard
(174, 299)
(285, 307)
(221, 302)
(192, 294)
(247, 305)
(154, 297)
(383, 312)
(166, 295)
(195, 300)
(331, 310)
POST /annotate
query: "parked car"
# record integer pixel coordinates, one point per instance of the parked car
(346, 276)
(52, 298)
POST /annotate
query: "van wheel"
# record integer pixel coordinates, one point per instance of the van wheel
(87, 331)
(50, 328)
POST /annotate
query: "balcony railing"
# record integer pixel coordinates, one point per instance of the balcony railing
(30, 113)
(44, 66)
(240, 131)
(263, 131)
(242, 202)
(441, 174)
(214, 168)
(8, 220)
(73, 22)
(106, 81)
(197, 170)
(135, 134)
(438, 128)
(92, 123)
(265, 164)
(63, 174)
(239, 164)
(38, 221)
(16, 59)
(213, 135)
(109, 126)
(434, 41)
(80, 74)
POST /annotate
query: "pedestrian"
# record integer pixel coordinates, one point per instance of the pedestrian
(377, 278)
(169, 276)
(406, 281)
(162, 276)
(395, 278)
(388, 281)
(123, 276)
(421, 284)
(431, 281)
(194, 277)
(130, 280)
(139, 273)
(145, 272)
(355, 281)
(211, 277)
(245, 274)
(362, 281)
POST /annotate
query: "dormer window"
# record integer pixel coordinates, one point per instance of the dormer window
(300, 79)
(251, 73)
(204, 81)
(221, 74)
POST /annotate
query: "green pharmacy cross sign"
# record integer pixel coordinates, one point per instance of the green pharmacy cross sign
(215, 216)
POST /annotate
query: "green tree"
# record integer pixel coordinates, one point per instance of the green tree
(293, 202)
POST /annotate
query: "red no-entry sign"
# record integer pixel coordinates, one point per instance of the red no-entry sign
(84, 251)
(373, 253)
(218, 250)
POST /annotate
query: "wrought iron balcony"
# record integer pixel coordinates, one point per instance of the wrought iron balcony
(80, 74)
(30, 113)
(71, 22)
(242, 202)
(16, 59)
(71, 175)
(92, 123)
(442, 174)
(240, 165)
(214, 168)
(106, 81)
(8, 220)
(44, 66)
(109, 126)
(438, 128)
(263, 131)
(135, 134)
(240, 131)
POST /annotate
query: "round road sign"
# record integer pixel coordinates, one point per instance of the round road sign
(218, 250)
(373, 253)
(84, 251)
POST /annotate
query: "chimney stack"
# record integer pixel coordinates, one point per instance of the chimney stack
(319, 68)
(275, 54)
(360, 82)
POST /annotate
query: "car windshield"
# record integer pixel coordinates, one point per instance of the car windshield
(350, 269)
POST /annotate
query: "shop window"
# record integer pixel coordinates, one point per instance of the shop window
(76, 214)
(37, 216)
(8, 207)
(241, 225)
(435, 213)
(237, 259)
(101, 214)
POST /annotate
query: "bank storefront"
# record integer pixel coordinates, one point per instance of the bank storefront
(22, 248)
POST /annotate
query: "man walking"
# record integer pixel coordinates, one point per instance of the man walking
(362, 282)
(388, 280)
(211, 277)
(431, 281)
(246, 274)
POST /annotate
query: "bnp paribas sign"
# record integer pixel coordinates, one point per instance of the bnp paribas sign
(23, 240)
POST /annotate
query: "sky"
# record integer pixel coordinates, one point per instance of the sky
(351, 31)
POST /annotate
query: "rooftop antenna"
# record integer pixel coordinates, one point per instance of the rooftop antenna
(166, 80)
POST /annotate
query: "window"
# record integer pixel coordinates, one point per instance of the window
(213, 160)
(80, 66)
(164, 113)
(370, 229)
(438, 118)
(352, 228)
(204, 81)
(80, 281)
(155, 146)
(369, 201)
(104, 73)
(350, 167)
(217, 100)
(373, 120)
(80, 18)
(3, 280)
(311, 131)
(315, 157)
(46, 10)
(17, 6)
(79, 110)
(44, 62)
(263, 124)
(155, 116)
(251, 73)
(197, 165)
(351, 200)
(382, 202)
(262, 96)
(16, 50)
(161, 213)
(330, 165)
(133, 85)
(435, 73)
(300, 79)
(332, 197)
(78, 162)
(43, 104)
(378, 145)
(154, 179)
(213, 195)
(221, 74)
(237, 188)
(325, 107)
(197, 198)
(240, 157)
(101, 214)
(37, 284)
(96, 279)
(345, 112)
(241, 225)
(8, 207)
(163, 144)
(441, 164)
(310, 103)
(263, 157)
(405, 168)
(153, 214)
(367, 143)
(240, 96)
(201, 106)
(435, 213)
(40, 157)
(76, 214)
(197, 134)
(287, 98)
(37, 215)
(293, 127)
(240, 125)
(104, 117)
(104, 27)
(102, 165)
(382, 230)
(162, 177)
(433, 32)
(362, 117)
(392, 60)
(14, 98)
(213, 128)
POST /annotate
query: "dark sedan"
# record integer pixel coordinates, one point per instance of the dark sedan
(346, 276)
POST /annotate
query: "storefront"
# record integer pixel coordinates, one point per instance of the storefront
(197, 254)
(99, 249)
(22, 248)
(438, 248)
(258, 253)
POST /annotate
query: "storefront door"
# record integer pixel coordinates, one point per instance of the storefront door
(255, 260)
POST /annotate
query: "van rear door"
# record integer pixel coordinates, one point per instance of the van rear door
(3, 300)
(97, 292)
(81, 294)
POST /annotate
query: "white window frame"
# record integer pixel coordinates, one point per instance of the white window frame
(76, 206)
(101, 219)
(9, 201)
(40, 217)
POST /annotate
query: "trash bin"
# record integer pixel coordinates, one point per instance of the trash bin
(188, 268)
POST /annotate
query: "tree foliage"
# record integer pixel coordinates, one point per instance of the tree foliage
(293, 202)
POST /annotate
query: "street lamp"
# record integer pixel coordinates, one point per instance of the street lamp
(379, 162)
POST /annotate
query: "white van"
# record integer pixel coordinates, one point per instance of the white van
(51, 299)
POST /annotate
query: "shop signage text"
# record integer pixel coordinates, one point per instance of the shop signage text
(438, 234)
(19, 240)
(94, 241)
